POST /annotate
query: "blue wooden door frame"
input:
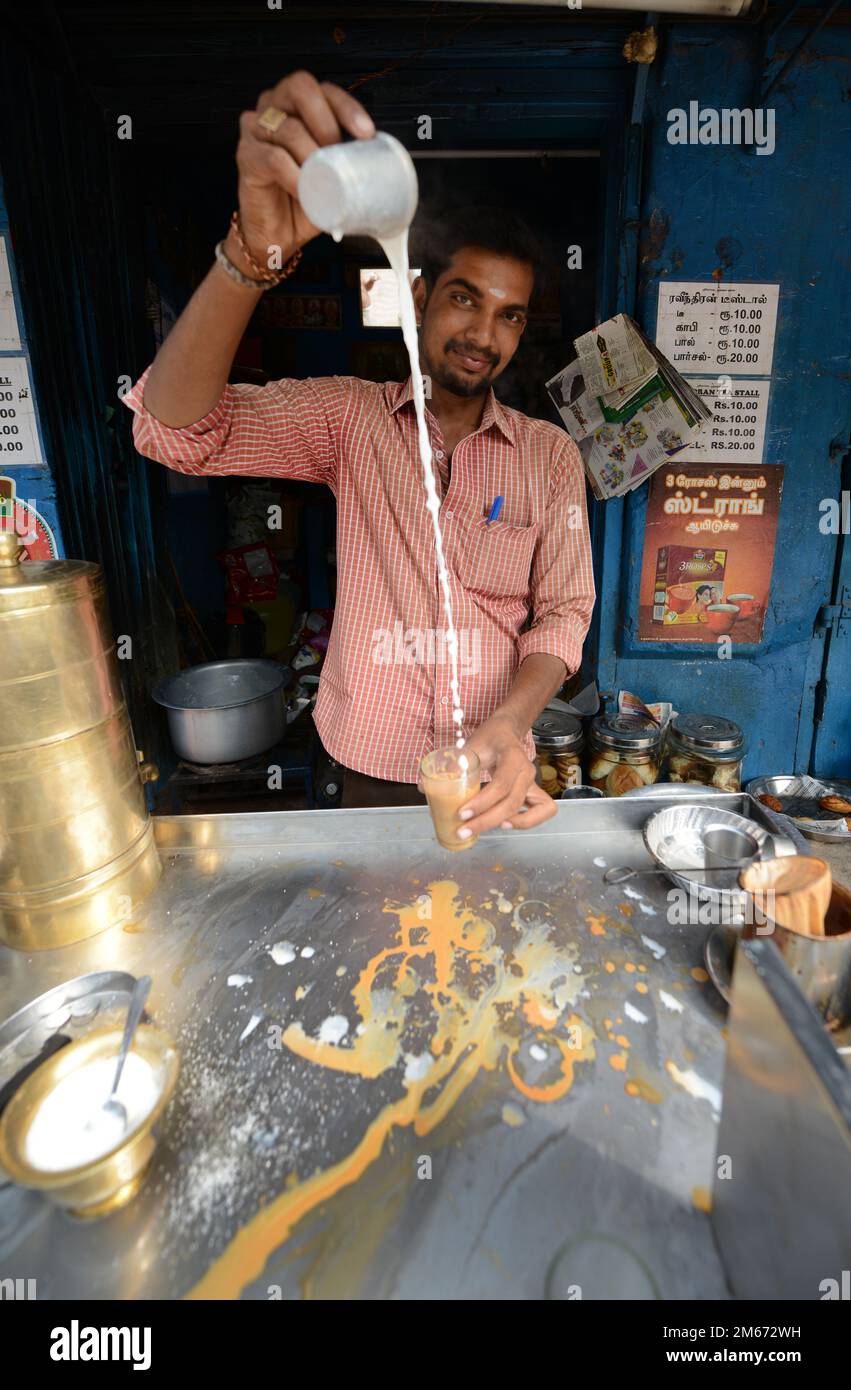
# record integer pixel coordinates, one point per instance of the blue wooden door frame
(730, 214)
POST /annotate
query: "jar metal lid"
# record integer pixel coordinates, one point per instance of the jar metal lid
(557, 730)
(708, 733)
(627, 731)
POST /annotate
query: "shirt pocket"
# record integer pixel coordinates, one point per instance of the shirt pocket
(495, 560)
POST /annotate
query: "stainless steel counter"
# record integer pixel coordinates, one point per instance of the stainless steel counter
(475, 1075)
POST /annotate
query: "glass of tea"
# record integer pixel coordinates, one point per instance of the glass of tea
(450, 777)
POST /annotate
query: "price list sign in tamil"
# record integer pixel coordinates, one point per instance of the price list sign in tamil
(19, 442)
(736, 432)
(722, 338)
(722, 330)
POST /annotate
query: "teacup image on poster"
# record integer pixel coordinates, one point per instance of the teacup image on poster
(721, 616)
(680, 597)
(746, 603)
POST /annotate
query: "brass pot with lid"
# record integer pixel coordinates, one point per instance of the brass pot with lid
(77, 851)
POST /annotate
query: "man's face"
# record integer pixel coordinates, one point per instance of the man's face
(473, 319)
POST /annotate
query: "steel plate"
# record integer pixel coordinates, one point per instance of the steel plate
(776, 786)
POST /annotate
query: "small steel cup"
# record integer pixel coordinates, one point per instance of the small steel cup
(727, 848)
(450, 776)
(360, 188)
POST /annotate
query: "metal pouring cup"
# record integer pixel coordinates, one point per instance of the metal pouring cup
(360, 188)
(725, 847)
(821, 964)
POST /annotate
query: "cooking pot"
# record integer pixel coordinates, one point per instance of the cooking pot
(224, 711)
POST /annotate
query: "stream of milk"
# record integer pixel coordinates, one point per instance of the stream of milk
(396, 250)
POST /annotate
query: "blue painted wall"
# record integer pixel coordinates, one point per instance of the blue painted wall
(779, 218)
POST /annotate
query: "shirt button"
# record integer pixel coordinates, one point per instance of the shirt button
(440, 454)
(444, 699)
(449, 514)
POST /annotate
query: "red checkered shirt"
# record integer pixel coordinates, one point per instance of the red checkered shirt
(384, 697)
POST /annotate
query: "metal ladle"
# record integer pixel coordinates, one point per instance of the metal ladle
(770, 850)
(620, 875)
(112, 1105)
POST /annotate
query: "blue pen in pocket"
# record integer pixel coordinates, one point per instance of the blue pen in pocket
(495, 510)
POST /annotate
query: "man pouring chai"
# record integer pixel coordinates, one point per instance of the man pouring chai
(379, 711)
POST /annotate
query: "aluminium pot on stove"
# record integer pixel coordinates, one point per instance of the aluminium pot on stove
(77, 851)
(223, 711)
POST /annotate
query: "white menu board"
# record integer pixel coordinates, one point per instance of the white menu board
(10, 338)
(18, 430)
(736, 433)
(705, 328)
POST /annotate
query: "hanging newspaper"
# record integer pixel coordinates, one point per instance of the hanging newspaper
(625, 405)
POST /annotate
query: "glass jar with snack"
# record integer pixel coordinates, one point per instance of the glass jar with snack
(707, 750)
(559, 743)
(625, 752)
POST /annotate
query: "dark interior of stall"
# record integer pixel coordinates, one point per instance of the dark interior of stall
(229, 582)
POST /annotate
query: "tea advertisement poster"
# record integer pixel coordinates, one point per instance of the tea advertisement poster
(708, 553)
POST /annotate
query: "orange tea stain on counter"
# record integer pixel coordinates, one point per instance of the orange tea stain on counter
(618, 1061)
(702, 1198)
(538, 1014)
(512, 1115)
(643, 1091)
(315, 893)
(596, 924)
(698, 973)
(641, 986)
(471, 1019)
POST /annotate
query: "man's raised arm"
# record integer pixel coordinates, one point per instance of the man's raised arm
(191, 369)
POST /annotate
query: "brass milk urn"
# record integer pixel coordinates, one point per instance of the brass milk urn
(77, 851)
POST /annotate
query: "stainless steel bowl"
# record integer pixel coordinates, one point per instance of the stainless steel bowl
(776, 786)
(674, 837)
(225, 710)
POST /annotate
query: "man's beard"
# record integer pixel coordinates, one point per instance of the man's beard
(451, 380)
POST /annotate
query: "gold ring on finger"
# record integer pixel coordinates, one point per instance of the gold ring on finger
(271, 120)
